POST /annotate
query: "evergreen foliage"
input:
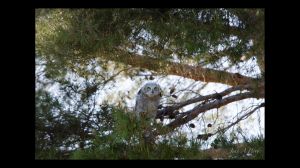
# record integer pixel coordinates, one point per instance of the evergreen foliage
(96, 45)
(65, 37)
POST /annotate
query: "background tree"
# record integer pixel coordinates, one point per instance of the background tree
(97, 45)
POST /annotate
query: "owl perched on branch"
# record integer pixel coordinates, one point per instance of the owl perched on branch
(147, 101)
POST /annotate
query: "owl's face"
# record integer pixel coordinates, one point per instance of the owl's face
(151, 90)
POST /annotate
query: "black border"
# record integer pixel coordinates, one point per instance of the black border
(24, 74)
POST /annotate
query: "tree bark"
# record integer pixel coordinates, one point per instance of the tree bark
(193, 72)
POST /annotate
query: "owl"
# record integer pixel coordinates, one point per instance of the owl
(147, 101)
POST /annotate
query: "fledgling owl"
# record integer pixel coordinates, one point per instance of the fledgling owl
(147, 101)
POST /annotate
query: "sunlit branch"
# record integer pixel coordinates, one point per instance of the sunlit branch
(197, 73)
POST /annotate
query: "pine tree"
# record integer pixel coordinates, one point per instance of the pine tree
(129, 41)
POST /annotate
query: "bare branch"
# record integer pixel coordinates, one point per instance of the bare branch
(113, 76)
(170, 109)
(202, 108)
(191, 114)
(243, 117)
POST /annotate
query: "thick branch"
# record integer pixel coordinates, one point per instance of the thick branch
(194, 72)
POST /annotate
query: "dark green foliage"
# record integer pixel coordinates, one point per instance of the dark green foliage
(68, 36)
(222, 142)
(118, 145)
(49, 154)
(57, 125)
(120, 136)
(252, 148)
(53, 127)
(125, 141)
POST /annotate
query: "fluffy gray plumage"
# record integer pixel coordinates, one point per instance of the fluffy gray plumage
(147, 100)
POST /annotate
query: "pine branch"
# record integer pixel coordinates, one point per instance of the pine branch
(194, 72)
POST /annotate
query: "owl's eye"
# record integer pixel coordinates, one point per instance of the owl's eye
(156, 88)
(148, 88)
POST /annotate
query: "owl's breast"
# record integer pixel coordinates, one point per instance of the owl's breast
(151, 108)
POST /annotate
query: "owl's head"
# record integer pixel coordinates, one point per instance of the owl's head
(151, 90)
